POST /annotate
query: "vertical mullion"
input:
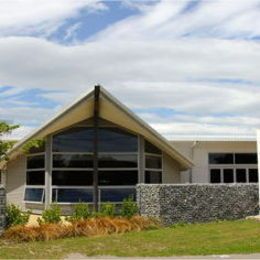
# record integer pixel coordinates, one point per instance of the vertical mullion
(48, 162)
(95, 147)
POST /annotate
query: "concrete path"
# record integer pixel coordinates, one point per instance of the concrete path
(80, 256)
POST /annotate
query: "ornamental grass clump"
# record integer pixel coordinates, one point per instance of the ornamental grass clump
(99, 226)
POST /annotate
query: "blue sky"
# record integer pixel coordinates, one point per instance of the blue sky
(188, 68)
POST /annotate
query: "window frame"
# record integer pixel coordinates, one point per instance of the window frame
(161, 170)
(35, 186)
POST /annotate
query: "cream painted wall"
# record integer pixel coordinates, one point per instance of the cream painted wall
(199, 155)
(15, 180)
(171, 170)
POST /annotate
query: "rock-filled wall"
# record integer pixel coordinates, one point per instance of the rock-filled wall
(2, 208)
(173, 203)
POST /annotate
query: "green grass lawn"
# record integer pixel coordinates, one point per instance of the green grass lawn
(227, 237)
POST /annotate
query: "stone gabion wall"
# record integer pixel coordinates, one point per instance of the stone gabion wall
(2, 208)
(173, 203)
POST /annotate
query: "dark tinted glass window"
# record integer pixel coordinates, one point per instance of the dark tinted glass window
(116, 140)
(72, 178)
(39, 149)
(246, 158)
(117, 195)
(35, 162)
(228, 175)
(33, 194)
(241, 175)
(215, 176)
(220, 158)
(150, 148)
(72, 195)
(79, 139)
(153, 177)
(253, 175)
(35, 178)
(117, 161)
(72, 161)
(117, 177)
(153, 162)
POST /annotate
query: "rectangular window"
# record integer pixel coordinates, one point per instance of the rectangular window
(35, 177)
(253, 175)
(34, 194)
(215, 176)
(228, 175)
(153, 162)
(221, 158)
(72, 161)
(72, 195)
(153, 177)
(117, 161)
(240, 175)
(116, 195)
(36, 162)
(72, 178)
(77, 139)
(117, 177)
(150, 148)
(116, 140)
(246, 158)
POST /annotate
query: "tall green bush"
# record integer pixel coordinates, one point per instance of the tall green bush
(108, 209)
(129, 208)
(15, 216)
(81, 211)
(51, 215)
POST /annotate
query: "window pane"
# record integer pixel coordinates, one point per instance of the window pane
(246, 158)
(153, 162)
(35, 162)
(39, 149)
(220, 158)
(150, 148)
(241, 175)
(72, 161)
(35, 178)
(117, 161)
(228, 175)
(33, 194)
(153, 177)
(72, 178)
(117, 177)
(78, 139)
(116, 140)
(215, 176)
(72, 195)
(116, 195)
(253, 175)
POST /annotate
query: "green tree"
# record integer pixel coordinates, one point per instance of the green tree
(5, 145)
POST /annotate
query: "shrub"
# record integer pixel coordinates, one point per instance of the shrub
(15, 216)
(129, 208)
(88, 227)
(51, 215)
(81, 211)
(108, 209)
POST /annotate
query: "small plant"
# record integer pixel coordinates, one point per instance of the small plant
(15, 216)
(51, 215)
(129, 208)
(81, 211)
(108, 209)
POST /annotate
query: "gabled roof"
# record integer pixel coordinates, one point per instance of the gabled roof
(110, 109)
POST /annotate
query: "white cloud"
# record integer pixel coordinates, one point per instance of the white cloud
(41, 16)
(145, 63)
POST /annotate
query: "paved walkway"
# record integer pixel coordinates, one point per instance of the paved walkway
(80, 256)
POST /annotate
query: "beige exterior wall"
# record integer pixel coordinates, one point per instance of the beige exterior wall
(198, 152)
(15, 180)
(171, 170)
